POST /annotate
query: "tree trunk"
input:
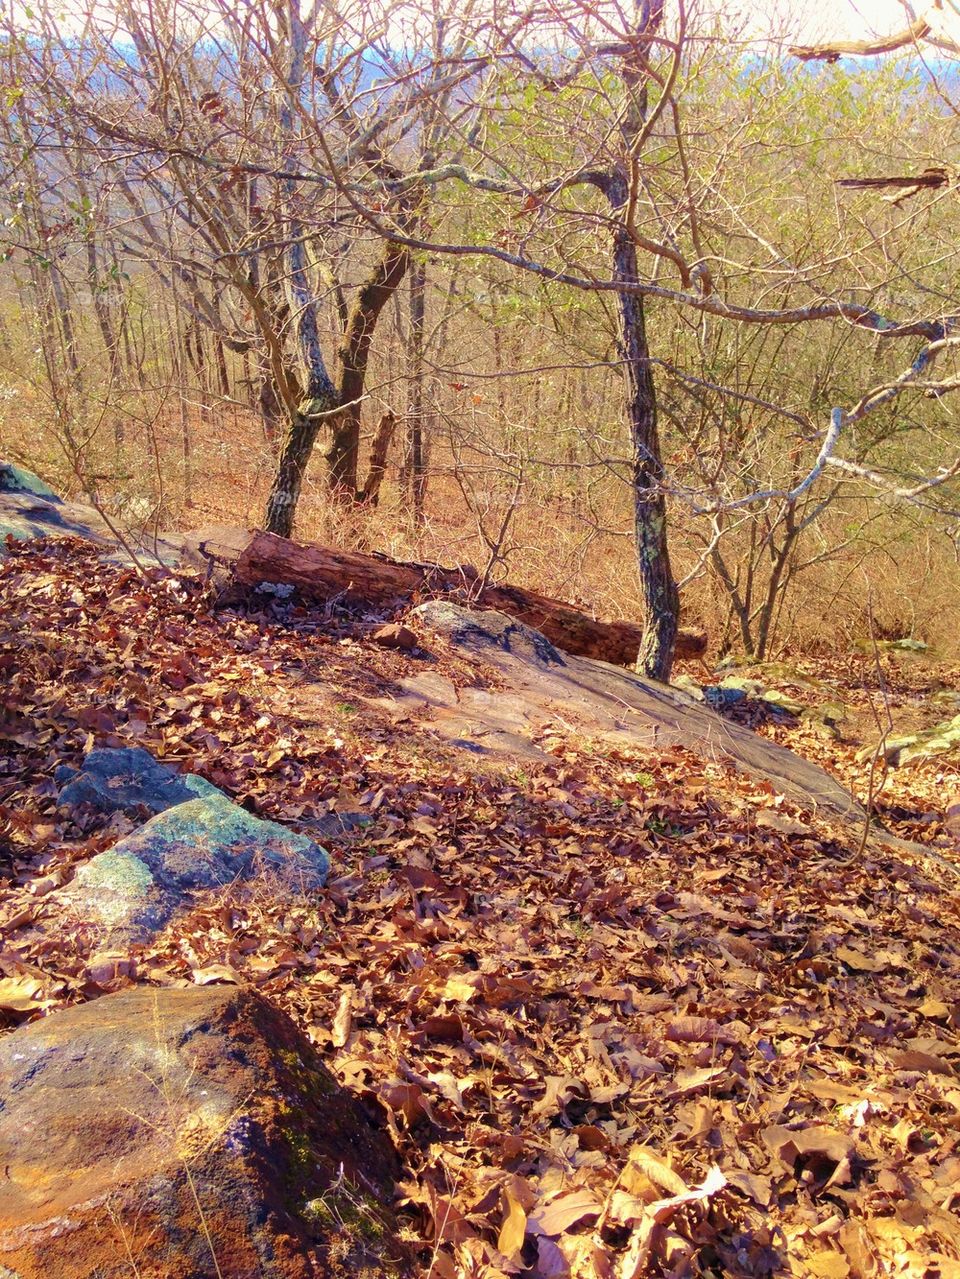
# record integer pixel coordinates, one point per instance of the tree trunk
(661, 602)
(268, 401)
(372, 296)
(378, 458)
(292, 467)
(322, 573)
(659, 595)
(417, 468)
(304, 420)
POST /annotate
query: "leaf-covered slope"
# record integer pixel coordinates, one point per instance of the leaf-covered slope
(572, 987)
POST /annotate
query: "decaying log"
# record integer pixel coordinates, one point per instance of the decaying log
(252, 559)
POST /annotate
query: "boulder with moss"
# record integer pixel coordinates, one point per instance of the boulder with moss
(132, 890)
(188, 1134)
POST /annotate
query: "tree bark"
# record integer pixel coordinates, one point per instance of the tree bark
(372, 296)
(304, 420)
(287, 484)
(322, 573)
(415, 452)
(661, 601)
(378, 458)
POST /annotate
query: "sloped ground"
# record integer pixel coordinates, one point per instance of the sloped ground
(574, 986)
(871, 698)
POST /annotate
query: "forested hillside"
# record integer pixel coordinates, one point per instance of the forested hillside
(479, 661)
(221, 226)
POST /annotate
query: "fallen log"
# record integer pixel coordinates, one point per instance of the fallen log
(252, 559)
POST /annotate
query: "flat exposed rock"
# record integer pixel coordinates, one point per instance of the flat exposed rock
(132, 890)
(24, 516)
(184, 1134)
(484, 628)
(605, 702)
(128, 780)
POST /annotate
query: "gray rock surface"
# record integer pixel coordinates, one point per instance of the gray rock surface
(128, 780)
(132, 890)
(482, 628)
(29, 509)
(607, 703)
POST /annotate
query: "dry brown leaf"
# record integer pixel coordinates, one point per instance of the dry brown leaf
(699, 1030)
(215, 973)
(556, 1217)
(657, 1170)
(914, 1059)
(695, 1078)
(514, 1228)
(635, 1260)
(858, 961)
(751, 1184)
(826, 1152)
(343, 1021)
(460, 989)
(772, 820)
(18, 995)
(828, 1265)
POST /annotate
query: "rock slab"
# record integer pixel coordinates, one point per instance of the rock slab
(29, 508)
(134, 888)
(606, 703)
(184, 1134)
(128, 780)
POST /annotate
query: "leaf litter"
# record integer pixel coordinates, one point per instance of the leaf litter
(617, 1017)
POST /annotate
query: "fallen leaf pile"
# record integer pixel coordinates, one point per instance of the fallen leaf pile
(622, 1013)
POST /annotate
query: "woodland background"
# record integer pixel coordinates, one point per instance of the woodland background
(189, 187)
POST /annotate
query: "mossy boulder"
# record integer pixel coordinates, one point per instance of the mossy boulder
(186, 1134)
(133, 889)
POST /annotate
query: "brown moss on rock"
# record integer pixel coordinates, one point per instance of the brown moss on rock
(185, 1133)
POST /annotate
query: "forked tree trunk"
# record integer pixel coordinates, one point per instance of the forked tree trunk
(305, 419)
(344, 453)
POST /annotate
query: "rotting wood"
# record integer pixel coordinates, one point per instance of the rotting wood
(250, 558)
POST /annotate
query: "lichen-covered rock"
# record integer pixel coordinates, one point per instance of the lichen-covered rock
(916, 748)
(133, 889)
(185, 1134)
(128, 779)
(16, 479)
